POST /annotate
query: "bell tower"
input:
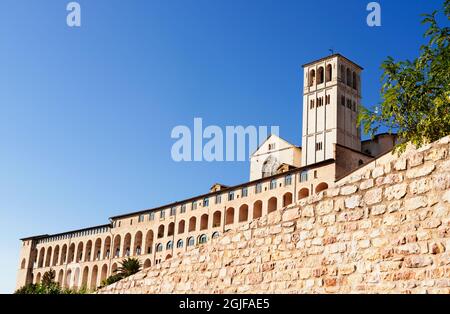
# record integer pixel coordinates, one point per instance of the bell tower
(331, 98)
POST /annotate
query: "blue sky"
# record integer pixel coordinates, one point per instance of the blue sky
(86, 113)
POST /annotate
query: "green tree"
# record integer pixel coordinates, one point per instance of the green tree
(416, 94)
(128, 267)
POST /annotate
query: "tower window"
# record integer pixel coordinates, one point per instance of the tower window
(311, 104)
(312, 77)
(349, 103)
(327, 99)
(354, 80)
(271, 146)
(320, 75)
(349, 77)
(343, 101)
(329, 73)
(319, 146)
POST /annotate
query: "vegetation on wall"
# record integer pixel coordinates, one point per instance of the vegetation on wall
(128, 267)
(48, 286)
(416, 94)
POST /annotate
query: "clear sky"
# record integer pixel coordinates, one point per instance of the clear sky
(86, 113)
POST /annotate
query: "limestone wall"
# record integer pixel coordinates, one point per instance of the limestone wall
(383, 229)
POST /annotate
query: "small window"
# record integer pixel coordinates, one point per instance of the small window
(273, 184)
(169, 245)
(311, 104)
(319, 146)
(244, 192)
(349, 103)
(327, 99)
(304, 176)
(343, 101)
(218, 199)
(162, 214)
(173, 211)
(159, 247)
(258, 188)
(194, 205)
(180, 244)
(151, 216)
(190, 241)
(183, 209)
(202, 239)
(315, 174)
(272, 146)
(230, 196)
(141, 218)
(288, 180)
(206, 202)
(215, 234)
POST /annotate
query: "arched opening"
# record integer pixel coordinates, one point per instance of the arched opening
(137, 243)
(349, 77)
(168, 257)
(229, 218)
(329, 73)
(320, 75)
(272, 205)
(68, 279)
(181, 226)
(38, 278)
(55, 256)
(60, 277)
(303, 193)
(243, 213)
(41, 258)
(204, 222)
(94, 277)
(147, 263)
(71, 253)
(171, 229)
(107, 247)
(217, 217)
(87, 255)
(287, 199)
(159, 247)
(190, 241)
(79, 252)
(113, 268)
(169, 245)
(160, 231)
(180, 244)
(127, 245)
(354, 80)
(48, 257)
(192, 223)
(215, 234)
(76, 278)
(104, 273)
(63, 255)
(202, 239)
(149, 242)
(84, 278)
(116, 246)
(312, 77)
(97, 251)
(321, 187)
(22, 264)
(257, 209)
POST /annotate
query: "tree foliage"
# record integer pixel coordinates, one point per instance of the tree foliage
(416, 94)
(48, 286)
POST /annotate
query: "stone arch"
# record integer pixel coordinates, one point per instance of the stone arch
(48, 256)
(97, 250)
(171, 229)
(303, 193)
(149, 242)
(137, 248)
(79, 256)
(126, 250)
(287, 199)
(312, 77)
(217, 217)
(104, 273)
(63, 254)
(321, 187)
(113, 268)
(181, 226)
(84, 278)
(55, 256)
(272, 205)
(147, 263)
(192, 223)
(60, 278)
(160, 231)
(94, 277)
(243, 213)
(229, 218)
(329, 73)
(204, 222)
(68, 278)
(38, 278)
(116, 246)
(257, 209)
(41, 258)
(71, 255)
(320, 75)
(88, 251)
(76, 278)
(107, 247)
